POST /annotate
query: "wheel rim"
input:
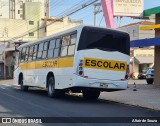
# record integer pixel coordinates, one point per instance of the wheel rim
(21, 84)
(50, 87)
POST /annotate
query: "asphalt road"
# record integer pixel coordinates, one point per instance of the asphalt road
(35, 103)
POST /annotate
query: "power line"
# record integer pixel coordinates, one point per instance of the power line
(74, 10)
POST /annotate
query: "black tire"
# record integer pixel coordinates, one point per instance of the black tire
(22, 87)
(52, 92)
(149, 81)
(91, 94)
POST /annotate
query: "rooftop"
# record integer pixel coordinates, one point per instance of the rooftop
(141, 22)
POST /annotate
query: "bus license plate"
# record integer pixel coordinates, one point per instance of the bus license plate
(103, 85)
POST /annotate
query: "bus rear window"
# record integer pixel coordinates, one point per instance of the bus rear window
(104, 39)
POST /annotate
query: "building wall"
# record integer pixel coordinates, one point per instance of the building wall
(58, 26)
(33, 15)
(15, 9)
(61, 26)
(4, 9)
(9, 28)
(133, 31)
(136, 34)
(146, 34)
(144, 52)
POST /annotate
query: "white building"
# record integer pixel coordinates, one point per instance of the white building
(19, 21)
(135, 32)
(141, 58)
(15, 9)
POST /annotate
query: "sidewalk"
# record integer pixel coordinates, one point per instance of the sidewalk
(146, 95)
(10, 81)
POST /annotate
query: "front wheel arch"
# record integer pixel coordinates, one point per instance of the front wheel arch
(20, 78)
(50, 74)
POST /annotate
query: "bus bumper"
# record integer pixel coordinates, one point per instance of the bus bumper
(103, 85)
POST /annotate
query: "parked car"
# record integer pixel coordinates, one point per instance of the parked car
(142, 76)
(150, 76)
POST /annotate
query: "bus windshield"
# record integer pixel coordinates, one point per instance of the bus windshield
(104, 39)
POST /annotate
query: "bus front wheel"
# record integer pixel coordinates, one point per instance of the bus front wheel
(91, 94)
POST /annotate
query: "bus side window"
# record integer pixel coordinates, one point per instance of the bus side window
(19, 56)
(30, 54)
(52, 45)
(65, 42)
(27, 52)
(35, 52)
(40, 49)
(23, 53)
(56, 50)
(71, 48)
(73, 39)
(45, 48)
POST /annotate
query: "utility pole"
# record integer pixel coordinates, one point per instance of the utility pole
(4, 60)
(5, 35)
(96, 11)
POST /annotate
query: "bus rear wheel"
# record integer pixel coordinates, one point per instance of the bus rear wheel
(91, 94)
(52, 92)
(23, 88)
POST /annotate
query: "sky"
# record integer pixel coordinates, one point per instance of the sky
(59, 6)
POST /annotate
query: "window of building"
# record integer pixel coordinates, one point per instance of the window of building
(21, 15)
(133, 33)
(20, 12)
(31, 34)
(31, 22)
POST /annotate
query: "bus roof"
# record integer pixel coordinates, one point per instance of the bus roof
(50, 36)
(78, 28)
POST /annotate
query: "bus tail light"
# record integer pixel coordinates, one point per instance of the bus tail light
(80, 71)
(127, 72)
